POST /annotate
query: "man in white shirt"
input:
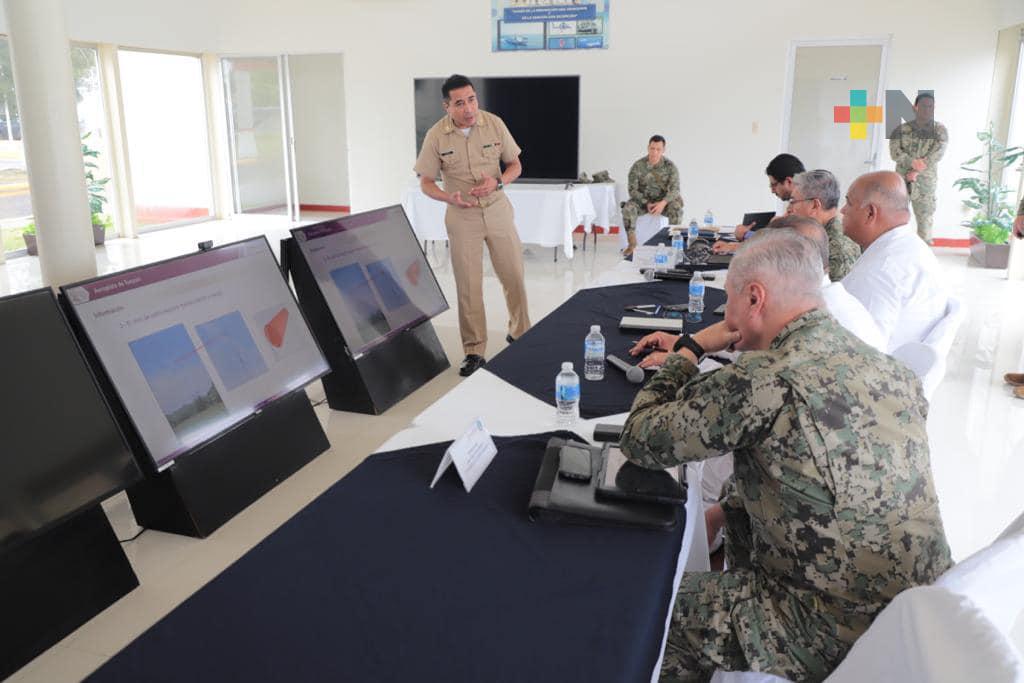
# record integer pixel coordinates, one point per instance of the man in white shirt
(844, 307)
(897, 277)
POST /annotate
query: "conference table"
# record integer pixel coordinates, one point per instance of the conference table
(545, 215)
(383, 578)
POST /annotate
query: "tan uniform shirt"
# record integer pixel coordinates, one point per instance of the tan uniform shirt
(463, 162)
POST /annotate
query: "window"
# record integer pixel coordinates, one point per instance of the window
(166, 130)
(15, 200)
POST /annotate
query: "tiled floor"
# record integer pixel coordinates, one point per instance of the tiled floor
(976, 427)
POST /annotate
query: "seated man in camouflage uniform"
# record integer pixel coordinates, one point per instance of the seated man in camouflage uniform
(831, 511)
(816, 195)
(653, 189)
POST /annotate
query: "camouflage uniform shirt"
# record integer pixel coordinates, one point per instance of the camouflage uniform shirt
(842, 251)
(832, 479)
(913, 141)
(654, 183)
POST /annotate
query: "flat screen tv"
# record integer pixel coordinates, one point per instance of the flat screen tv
(61, 449)
(541, 112)
(372, 273)
(196, 344)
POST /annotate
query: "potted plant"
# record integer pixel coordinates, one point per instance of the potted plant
(993, 218)
(29, 235)
(97, 192)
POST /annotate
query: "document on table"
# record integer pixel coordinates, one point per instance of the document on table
(472, 453)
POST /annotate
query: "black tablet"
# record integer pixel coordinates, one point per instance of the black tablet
(759, 219)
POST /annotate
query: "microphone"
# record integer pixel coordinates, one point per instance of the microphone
(633, 373)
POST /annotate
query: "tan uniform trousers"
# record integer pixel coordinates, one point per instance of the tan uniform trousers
(468, 229)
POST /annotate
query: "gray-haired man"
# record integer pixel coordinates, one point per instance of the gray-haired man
(832, 509)
(816, 195)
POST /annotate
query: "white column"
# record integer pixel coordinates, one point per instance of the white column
(41, 59)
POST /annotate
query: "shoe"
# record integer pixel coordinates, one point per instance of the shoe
(1019, 392)
(509, 338)
(471, 363)
(1014, 378)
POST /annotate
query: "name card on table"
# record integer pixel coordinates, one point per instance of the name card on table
(472, 453)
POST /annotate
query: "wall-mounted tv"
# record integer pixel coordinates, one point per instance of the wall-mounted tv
(62, 450)
(373, 275)
(541, 112)
(196, 344)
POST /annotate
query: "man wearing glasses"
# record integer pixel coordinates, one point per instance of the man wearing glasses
(780, 172)
(815, 194)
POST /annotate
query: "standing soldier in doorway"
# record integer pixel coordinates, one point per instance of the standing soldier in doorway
(916, 147)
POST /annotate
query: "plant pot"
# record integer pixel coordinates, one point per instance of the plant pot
(989, 255)
(30, 243)
(99, 234)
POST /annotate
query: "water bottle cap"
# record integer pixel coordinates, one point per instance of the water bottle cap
(566, 366)
(595, 328)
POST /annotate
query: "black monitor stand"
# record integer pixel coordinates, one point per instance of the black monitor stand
(212, 483)
(382, 376)
(53, 583)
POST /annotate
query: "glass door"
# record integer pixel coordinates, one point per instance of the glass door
(256, 91)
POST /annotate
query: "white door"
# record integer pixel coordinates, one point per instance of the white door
(821, 78)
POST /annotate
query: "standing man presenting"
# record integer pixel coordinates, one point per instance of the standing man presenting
(653, 189)
(465, 148)
(916, 147)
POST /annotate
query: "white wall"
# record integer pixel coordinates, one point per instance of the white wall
(699, 73)
(321, 146)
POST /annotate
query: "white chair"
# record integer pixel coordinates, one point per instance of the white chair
(925, 362)
(647, 226)
(940, 338)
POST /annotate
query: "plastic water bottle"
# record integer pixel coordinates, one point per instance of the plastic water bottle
(678, 246)
(709, 220)
(661, 257)
(567, 396)
(593, 354)
(696, 311)
(693, 232)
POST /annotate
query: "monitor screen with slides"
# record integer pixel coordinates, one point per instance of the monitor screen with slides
(62, 450)
(196, 344)
(373, 274)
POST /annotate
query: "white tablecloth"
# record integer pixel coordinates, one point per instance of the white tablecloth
(545, 214)
(607, 213)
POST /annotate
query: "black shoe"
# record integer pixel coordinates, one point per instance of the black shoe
(471, 363)
(509, 338)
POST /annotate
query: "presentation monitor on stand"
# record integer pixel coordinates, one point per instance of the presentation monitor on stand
(205, 352)
(62, 454)
(369, 294)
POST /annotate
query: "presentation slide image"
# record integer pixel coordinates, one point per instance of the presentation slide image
(274, 323)
(231, 348)
(391, 292)
(179, 381)
(356, 290)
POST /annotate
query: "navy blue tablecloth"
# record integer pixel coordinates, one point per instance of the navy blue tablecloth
(383, 579)
(533, 361)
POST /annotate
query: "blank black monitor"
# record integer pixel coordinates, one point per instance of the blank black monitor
(60, 448)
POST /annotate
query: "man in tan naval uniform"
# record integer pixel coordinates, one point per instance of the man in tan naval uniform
(464, 148)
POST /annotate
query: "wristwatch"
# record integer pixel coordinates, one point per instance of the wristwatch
(501, 185)
(685, 341)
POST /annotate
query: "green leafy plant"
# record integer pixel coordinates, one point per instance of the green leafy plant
(993, 216)
(97, 187)
(29, 229)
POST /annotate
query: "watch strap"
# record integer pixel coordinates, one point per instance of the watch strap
(685, 341)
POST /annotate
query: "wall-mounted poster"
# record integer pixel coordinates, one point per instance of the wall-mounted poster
(548, 25)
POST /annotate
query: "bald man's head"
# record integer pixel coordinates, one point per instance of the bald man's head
(875, 203)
